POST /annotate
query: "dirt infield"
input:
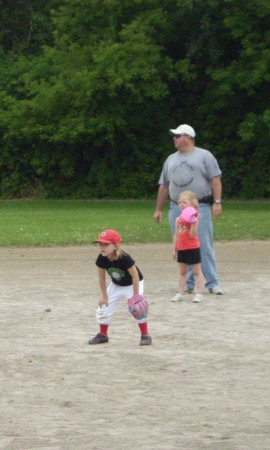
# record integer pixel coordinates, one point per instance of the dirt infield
(203, 384)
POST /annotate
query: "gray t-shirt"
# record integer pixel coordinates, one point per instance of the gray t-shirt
(189, 172)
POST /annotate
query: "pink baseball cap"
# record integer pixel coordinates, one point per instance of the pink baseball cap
(109, 237)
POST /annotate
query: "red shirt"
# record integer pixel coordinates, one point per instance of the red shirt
(184, 241)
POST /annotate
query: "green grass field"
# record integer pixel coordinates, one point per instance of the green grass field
(26, 223)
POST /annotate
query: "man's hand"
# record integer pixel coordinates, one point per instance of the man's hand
(158, 216)
(216, 210)
(161, 200)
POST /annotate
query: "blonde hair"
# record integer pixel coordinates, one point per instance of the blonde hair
(191, 197)
(118, 252)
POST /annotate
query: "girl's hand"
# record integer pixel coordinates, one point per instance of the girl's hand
(103, 301)
(174, 254)
(189, 215)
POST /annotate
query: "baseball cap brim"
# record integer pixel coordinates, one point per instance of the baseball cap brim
(102, 241)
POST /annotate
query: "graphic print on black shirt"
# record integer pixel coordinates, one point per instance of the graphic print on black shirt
(116, 274)
(118, 269)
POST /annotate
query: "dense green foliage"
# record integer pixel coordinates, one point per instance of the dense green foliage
(89, 89)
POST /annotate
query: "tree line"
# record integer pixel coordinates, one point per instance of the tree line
(90, 88)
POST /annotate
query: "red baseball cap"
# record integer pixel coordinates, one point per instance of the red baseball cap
(109, 237)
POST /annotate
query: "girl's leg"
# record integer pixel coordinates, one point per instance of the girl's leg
(199, 282)
(143, 323)
(199, 278)
(182, 277)
(104, 313)
(145, 337)
(183, 270)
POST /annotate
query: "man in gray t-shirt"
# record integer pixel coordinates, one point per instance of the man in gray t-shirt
(194, 169)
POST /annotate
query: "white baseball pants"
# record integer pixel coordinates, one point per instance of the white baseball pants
(115, 293)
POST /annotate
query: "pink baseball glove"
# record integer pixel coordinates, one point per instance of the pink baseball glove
(138, 307)
(189, 215)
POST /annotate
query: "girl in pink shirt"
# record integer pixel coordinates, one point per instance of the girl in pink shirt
(186, 245)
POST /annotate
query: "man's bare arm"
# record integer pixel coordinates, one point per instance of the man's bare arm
(162, 196)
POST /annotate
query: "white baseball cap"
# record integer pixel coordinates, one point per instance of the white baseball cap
(184, 129)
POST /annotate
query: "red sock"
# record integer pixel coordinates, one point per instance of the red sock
(143, 327)
(103, 329)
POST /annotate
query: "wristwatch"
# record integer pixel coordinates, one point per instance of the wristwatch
(218, 202)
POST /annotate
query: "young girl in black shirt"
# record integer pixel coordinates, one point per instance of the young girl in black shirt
(126, 281)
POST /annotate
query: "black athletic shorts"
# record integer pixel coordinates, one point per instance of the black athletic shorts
(189, 257)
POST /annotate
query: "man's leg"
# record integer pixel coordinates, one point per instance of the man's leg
(172, 215)
(205, 234)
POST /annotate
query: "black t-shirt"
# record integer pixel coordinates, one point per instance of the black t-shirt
(118, 269)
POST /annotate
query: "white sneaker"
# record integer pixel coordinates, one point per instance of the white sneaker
(215, 290)
(198, 298)
(177, 298)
